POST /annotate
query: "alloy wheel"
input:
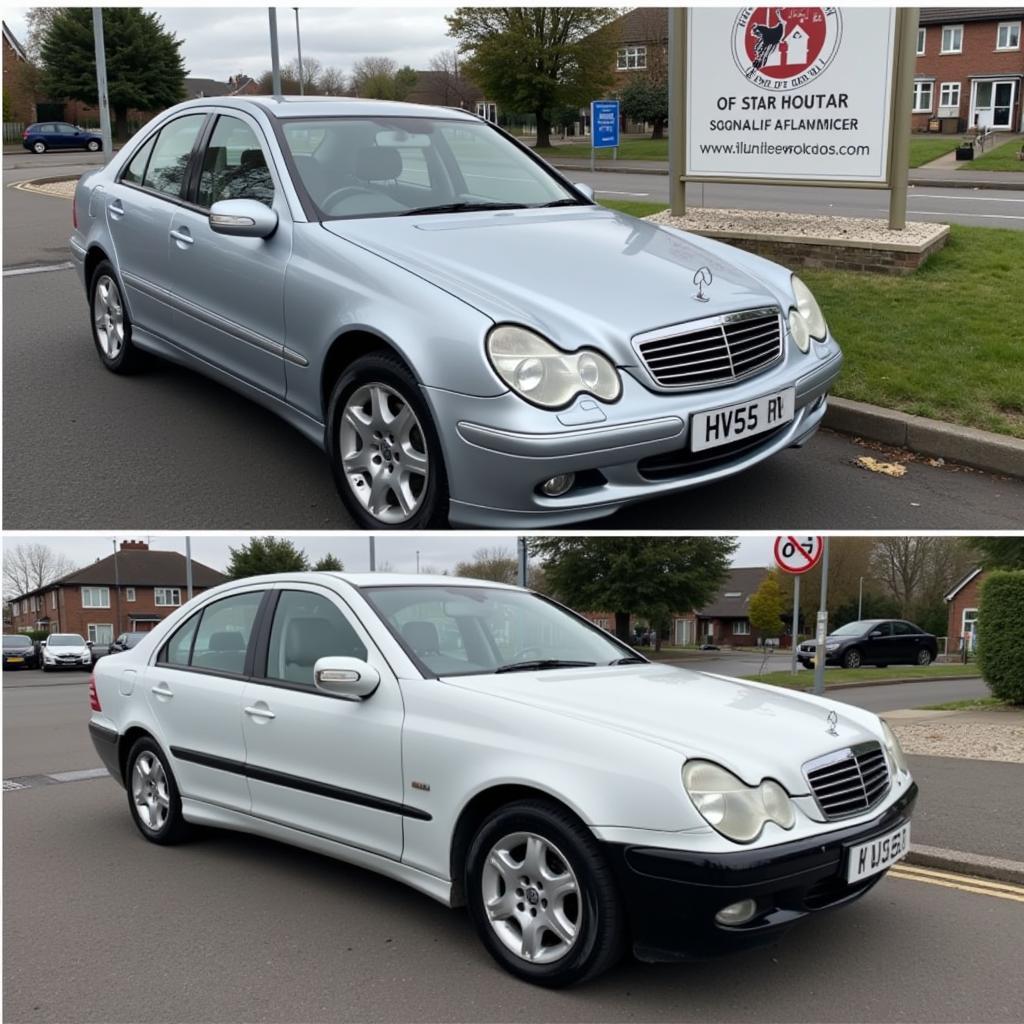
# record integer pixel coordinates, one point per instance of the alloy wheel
(924, 658)
(384, 453)
(853, 659)
(108, 317)
(531, 897)
(149, 791)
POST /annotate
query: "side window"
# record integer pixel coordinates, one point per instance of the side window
(234, 166)
(904, 629)
(885, 628)
(136, 169)
(167, 166)
(306, 627)
(177, 650)
(223, 635)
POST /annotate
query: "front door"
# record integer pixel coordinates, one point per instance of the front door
(232, 289)
(993, 104)
(317, 763)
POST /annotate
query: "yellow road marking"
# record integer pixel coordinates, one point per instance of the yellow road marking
(947, 880)
(951, 876)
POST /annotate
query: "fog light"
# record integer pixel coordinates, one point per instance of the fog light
(558, 485)
(737, 913)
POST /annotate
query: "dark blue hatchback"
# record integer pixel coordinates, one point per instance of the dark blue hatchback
(59, 135)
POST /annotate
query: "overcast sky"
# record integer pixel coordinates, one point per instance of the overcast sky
(436, 552)
(221, 41)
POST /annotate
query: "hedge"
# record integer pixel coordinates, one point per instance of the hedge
(1001, 635)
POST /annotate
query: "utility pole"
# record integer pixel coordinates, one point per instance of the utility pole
(796, 622)
(676, 110)
(860, 599)
(822, 632)
(275, 60)
(298, 40)
(188, 567)
(101, 83)
(117, 593)
(523, 562)
(903, 101)
(373, 553)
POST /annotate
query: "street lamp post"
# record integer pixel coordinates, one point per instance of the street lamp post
(860, 600)
(298, 40)
(275, 60)
(101, 83)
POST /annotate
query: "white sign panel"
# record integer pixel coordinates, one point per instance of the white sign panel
(789, 92)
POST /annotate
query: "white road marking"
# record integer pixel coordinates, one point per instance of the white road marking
(44, 268)
(976, 199)
(611, 192)
(84, 773)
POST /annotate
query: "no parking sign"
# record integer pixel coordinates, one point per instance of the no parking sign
(796, 555)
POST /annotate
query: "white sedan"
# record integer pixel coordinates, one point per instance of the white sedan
(492, 749)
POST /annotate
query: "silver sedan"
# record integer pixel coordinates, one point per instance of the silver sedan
(466, 334)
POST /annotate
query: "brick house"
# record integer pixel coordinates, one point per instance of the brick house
(129, 591)
(962, 612)
(19, 75)
(970, 68)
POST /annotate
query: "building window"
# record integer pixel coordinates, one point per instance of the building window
(922, 34)
(949, 94)
(601, 624)
(101, 633)
(95, 597)
(16, 608)
(952, 39)
(632, 58)
(129, 593)
(167, 597)
(969, 628)
(53, 600)
(922, 97)
(1008, 35)
(740, 627)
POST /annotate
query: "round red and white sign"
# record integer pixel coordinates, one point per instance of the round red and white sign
(782, 48)
(795, 554)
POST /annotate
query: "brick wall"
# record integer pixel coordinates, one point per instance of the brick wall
(18, 88)
(967, 598)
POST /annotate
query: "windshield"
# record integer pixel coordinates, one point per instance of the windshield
(17, 641)
(469, 630)
(390, 166)
(65, 640)
(855, 628)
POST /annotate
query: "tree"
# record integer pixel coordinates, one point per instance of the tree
(30, 566)
(264, 555)
(537, 59)
(380, 78)
(451, 88)
(646, 576)
(329, 563)
(1000, 552)
(494, 564)
(332, 82)
(767, 605)
(644, 99)
(145, 71)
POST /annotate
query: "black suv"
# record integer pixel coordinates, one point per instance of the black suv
(874, 642)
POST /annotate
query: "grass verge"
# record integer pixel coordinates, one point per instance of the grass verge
(979, 703)
(631, 149)
(1002, 158)
(923, 151)
(804, 679)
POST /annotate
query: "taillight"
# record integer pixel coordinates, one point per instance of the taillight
(94, 700)
(24, 134)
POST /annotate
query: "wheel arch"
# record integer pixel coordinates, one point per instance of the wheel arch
(128, 740)
(94, 256)
(350, 345)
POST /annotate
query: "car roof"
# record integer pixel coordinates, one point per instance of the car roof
(361, 580)
(331, 106)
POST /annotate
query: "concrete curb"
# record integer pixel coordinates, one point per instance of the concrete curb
(994, 453)
(995, 868)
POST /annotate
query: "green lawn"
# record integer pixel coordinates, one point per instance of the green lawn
(804, 679)
(631, 149)
(1002, 158)
(924, 150)
(978, 704)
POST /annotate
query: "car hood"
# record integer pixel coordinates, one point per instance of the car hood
(755, 730)
(585, 275)
(68, 650)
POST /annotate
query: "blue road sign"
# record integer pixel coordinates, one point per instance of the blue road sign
(604, 124)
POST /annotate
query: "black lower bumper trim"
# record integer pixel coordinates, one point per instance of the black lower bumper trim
(106, 743)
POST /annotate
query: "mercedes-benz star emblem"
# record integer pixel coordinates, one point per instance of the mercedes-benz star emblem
(701, 278)
(833, 720)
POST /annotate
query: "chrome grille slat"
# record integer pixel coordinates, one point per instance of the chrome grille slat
(848, 782)
(715, 351)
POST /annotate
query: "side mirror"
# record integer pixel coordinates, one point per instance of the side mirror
(243, 218)
(876, 634)
(347, 678)
(42, 643)
(88, 643)
(585, 189)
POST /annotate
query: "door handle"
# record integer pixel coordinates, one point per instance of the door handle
(162, 690)
(116, 209)
(183, 236)
(260, 712)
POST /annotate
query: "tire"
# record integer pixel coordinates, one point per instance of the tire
(594, 912)
(924, 658)
(852, 658)
(39, 147)
(113, 341)
(93, 146)
(153, 794)
(373, 388)
(45, 667)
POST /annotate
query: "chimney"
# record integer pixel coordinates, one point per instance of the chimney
(134, 545)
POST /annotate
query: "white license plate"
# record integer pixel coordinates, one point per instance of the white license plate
(734, 422)
(869, 858)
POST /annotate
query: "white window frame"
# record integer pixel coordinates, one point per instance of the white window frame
(160, 592)
(96, 604)
(740, 627)
(129, 594)
(951, 29)
(90, 630)
(636, 54)
(15, 608)
(53, 600)
(922, 40)
(942, 91)
(920, 85)
(1008, 25)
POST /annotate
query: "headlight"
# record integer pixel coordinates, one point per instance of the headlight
(807, 310)
(895, 750)
(732, 807)
(532, 367)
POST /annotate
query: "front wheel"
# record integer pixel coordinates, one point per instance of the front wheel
(93, 146)
(542, 896)
(384, 449)
(924, 657)
(852, 658)
(153, 797)
(38, 147)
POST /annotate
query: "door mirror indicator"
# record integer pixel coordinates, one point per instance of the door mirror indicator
(243, 218)
(347, 678)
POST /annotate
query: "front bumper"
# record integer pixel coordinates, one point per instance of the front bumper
(672, 896)
(498, 450)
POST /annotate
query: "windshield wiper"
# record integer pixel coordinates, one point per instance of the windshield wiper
(529, 666)
(460, 207)
(632, 659)
(562, 202)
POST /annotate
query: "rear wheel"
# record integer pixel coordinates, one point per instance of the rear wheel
(111, 325)
(153, 797)
(924, 657)
(39, 147)
(852, 658)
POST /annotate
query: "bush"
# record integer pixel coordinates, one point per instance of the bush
(1001, 635)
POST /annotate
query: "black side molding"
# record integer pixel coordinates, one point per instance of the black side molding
(105, 741)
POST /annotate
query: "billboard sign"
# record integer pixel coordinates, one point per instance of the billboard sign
(604, 124)
(790, 93)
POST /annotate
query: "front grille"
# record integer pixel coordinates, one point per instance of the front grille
(849, 781)
(718, 350)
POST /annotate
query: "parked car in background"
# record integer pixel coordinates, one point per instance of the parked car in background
(65, 650)
(124, 642)
(874, 642)
(454, 322)
(60, 135)
(20, 651)
(491, 748)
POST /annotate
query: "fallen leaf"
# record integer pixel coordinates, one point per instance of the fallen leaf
(888, 468)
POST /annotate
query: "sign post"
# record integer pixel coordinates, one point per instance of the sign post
(604, 127)
(101, 83)
(797, 555)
